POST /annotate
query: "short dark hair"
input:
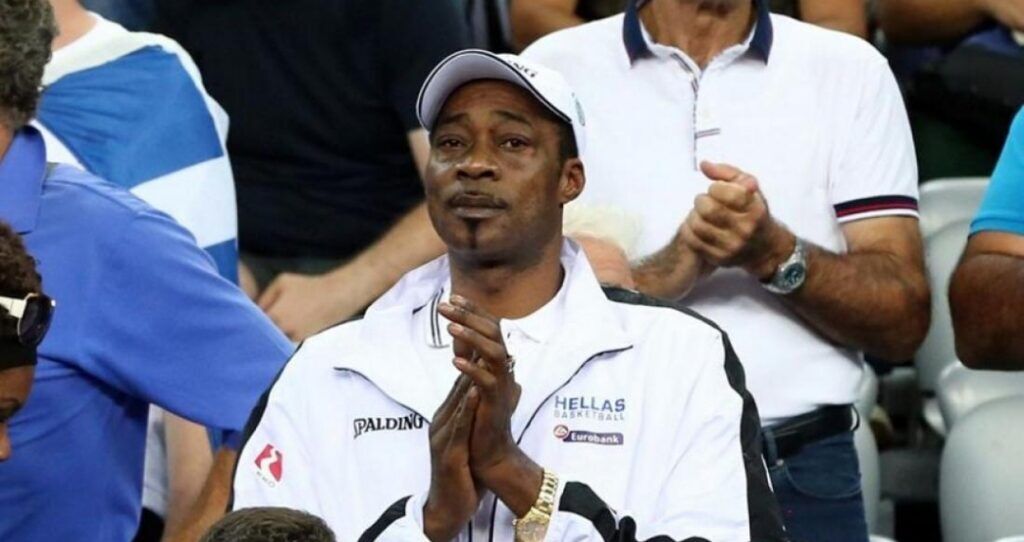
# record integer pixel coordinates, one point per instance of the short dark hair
(18, 276)
(269, 525)
(27, 30)
(566, 142)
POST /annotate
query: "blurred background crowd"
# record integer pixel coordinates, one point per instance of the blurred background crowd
(299, 117)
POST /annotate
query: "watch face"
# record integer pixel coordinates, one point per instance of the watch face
(531, 530)
(793, 276)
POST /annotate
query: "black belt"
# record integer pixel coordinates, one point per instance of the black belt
(790, 436)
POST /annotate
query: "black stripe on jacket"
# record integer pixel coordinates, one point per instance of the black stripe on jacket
(765, 517)
(256, 416)
(394, 513)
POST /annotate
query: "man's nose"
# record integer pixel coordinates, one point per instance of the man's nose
(478, 164)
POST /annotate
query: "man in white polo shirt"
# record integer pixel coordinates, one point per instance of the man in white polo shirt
(617, 419)
(773, 165)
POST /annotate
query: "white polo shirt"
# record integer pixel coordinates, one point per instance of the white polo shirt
(814, 114)
(525, 338)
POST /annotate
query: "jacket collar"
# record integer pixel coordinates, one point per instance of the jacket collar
(637, 47)
(537, 327)
(22, 171)
(386, 352)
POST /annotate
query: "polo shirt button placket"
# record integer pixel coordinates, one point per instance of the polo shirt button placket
(693, 78)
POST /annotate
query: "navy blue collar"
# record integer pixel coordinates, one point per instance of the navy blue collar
(22, 170)
(636, 46)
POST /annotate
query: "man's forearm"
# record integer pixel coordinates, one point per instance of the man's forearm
(669, 273)
(189, 462)
(986, 297)
(848, 16)
(532, 20)
(517, 483)
(869, 301)
(923, 21)
(213, 500)
(410, 243)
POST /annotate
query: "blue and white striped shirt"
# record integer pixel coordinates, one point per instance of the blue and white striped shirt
(130, 108)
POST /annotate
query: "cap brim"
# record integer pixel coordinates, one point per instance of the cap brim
(464, 67)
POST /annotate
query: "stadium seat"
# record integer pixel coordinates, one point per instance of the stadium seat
(961, 390)
(942, 252)
(870, 475)
(982, 474)
(867, 448)
(944, 201)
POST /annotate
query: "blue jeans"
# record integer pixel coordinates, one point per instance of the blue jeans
(819, 490)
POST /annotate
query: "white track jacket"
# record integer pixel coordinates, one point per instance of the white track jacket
(640, 409)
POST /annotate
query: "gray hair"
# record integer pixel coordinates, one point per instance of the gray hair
(603, 222)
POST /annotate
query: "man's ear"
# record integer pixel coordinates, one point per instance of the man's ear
(572, 181)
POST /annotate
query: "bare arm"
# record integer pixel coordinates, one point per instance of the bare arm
(925, 21)
(986, 297)
(671, 272)
(303, 305)
(189, 460)
(534, 19)
(875, 297)
(213, 500)
(848, 16)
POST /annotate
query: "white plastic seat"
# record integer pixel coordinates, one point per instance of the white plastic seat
(942, 252)
(982, 474)
(867, 448)
(961, 390)
(944, 201)
(870, 471)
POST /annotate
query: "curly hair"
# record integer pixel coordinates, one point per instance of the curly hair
(18, 276)
(269, 525)
(27, 29)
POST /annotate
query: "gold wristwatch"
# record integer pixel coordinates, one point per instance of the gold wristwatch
(534, 525)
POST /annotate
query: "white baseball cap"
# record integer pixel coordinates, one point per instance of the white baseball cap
(547, 85)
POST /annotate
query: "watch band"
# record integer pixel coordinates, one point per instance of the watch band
(533, 526)
(782, 282)
(546, 499)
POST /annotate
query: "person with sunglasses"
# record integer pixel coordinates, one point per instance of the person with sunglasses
(144, 320)
(25, 315)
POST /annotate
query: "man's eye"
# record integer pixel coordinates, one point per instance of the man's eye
(515, 143)
(448, 142)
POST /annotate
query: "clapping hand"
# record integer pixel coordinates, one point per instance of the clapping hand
(454, 495)
(730, 225)
(496, 461)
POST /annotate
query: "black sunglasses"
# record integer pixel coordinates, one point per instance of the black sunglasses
(33, 313)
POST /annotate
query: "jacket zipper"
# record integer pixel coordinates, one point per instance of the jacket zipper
(494, 505)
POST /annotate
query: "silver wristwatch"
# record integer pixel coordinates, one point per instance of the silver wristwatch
(790, 274)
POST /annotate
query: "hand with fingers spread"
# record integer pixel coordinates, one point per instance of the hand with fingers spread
(454, 495)
(730, 225)
(495, 459)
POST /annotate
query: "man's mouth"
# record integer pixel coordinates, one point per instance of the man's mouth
(476, 205)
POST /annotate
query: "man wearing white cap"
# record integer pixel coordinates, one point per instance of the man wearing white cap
(545, 408)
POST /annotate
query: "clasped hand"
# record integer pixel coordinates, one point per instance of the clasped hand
(730, 225)
(471, 444)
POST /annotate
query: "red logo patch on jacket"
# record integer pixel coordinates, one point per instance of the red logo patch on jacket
(270, 462)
